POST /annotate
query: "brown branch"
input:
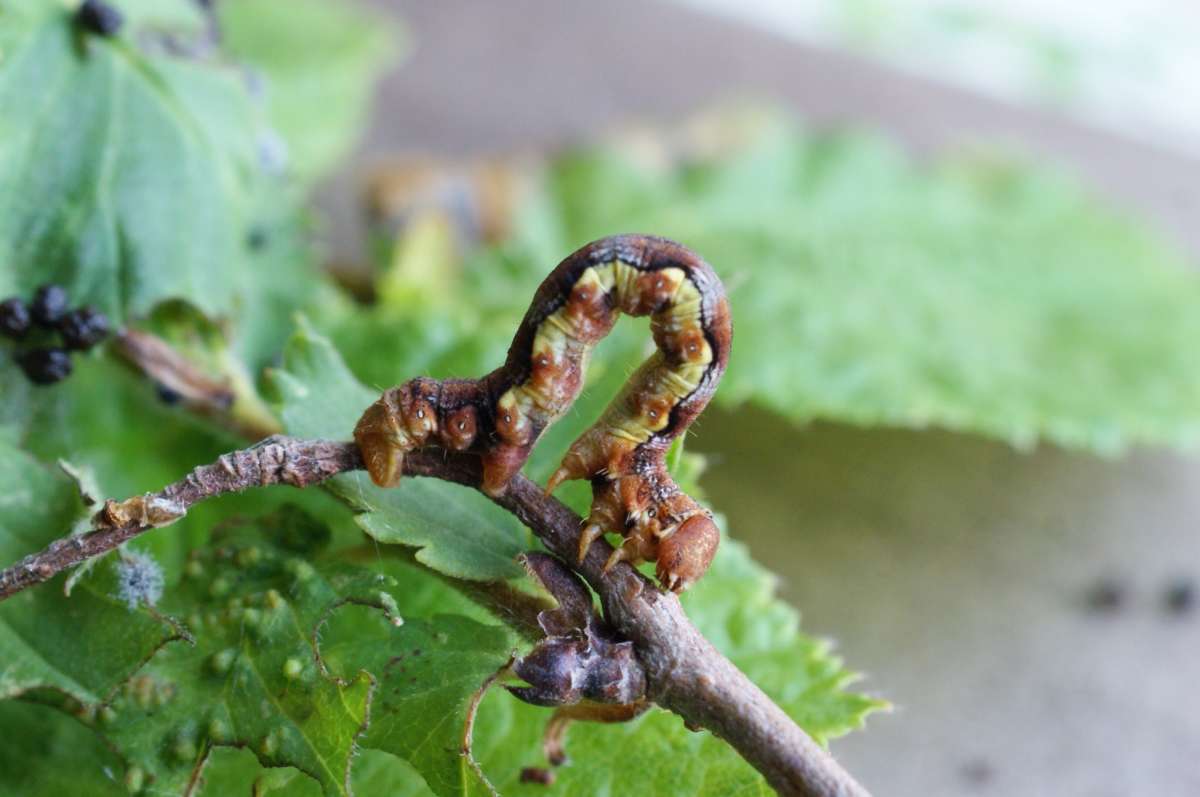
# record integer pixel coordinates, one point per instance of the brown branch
(275, 460)
(686, 674)
(228, 401)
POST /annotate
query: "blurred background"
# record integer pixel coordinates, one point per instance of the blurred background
(986, 504)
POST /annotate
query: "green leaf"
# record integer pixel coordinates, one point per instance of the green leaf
(105, 145)
(161, 716)
(428, 671)
(457, 531)
(654, 754)
(110, 422)
(154, 717)
(170, 18)
(230, 770)
(376, 772)
(256, 600)
(977, 294)
(734, 603)
(39, 628)
(735, 607)
(103, 151)
(48, 754)
(165, 715)
(255, 677)
(39, 504)
(250, 678)
(319, 60)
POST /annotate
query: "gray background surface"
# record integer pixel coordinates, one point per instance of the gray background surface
(953, 571)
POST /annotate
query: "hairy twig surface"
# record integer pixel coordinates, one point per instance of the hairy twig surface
(685, 673)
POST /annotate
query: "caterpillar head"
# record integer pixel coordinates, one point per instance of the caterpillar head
(382, 441)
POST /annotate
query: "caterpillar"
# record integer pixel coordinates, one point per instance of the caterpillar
(500, 416)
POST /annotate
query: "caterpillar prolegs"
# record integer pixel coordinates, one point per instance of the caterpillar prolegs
(501, 416)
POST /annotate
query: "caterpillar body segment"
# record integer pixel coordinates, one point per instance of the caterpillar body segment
(502, 415)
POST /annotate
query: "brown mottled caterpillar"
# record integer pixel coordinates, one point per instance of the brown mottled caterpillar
(501, 415)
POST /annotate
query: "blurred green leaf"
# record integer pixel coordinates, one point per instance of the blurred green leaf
(983, 294)
(49, 754)
(319, 61)
(236, 770)
(106, 145)
(110, 422)
(185, 20)
(105, 150)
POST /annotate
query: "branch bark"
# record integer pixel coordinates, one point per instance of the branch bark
(686, 674)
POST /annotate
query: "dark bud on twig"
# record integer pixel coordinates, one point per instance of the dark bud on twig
(552, 669)
(83, 328)
(14, 318)
(582, 657)
(45, 366)
(96, 16)
(583, 666)
(177, 379)
(48, 306)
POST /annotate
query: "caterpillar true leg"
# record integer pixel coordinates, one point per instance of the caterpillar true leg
(502, 415)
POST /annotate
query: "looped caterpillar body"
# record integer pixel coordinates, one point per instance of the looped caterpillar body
(501, 416)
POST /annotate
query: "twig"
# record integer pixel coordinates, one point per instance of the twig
(686, 674)
(275, 460)
(229, 400)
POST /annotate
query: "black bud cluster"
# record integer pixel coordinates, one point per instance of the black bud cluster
(83, 327)
(79, 329)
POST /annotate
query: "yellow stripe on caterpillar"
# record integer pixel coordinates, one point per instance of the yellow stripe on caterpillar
(625, 285)
(679, 382)
(556, 329)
